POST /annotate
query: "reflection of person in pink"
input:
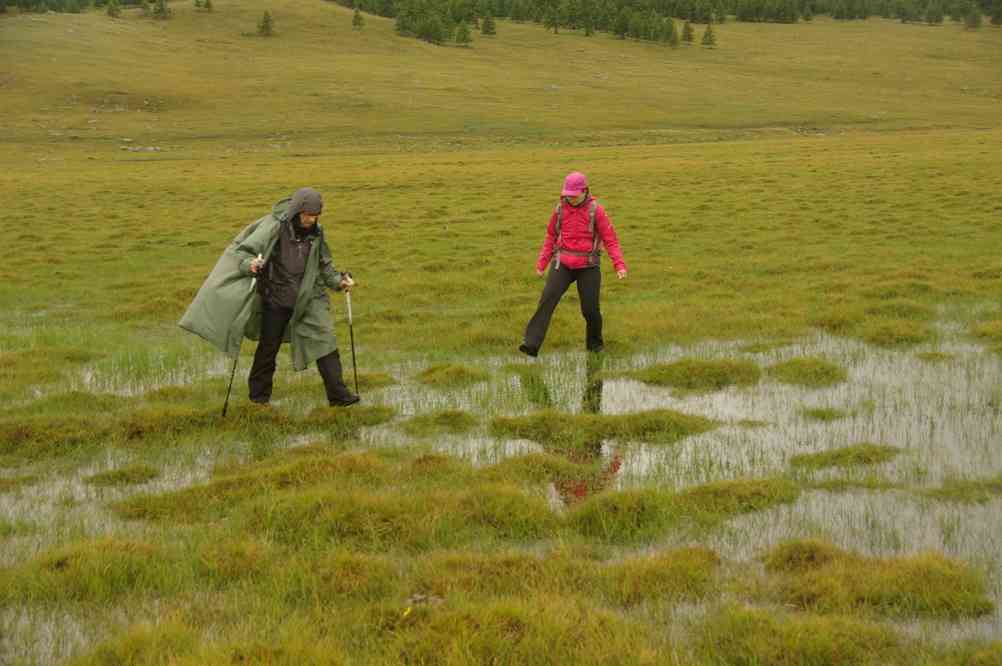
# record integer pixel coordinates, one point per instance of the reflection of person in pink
(577, 231)
(589, 453)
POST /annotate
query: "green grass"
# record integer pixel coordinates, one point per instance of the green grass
(700, 375)
(762, 191)
(451, 421)
(823, 414)
(124, 476)
(814, 575)
(848, 456)
(808, 372)
(968, 491)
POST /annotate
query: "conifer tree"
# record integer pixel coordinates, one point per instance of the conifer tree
(551, 20)
(709, 39)
(973, 19)
(357, 20)
(463, 37)
(114, 10)
(487, 26)
(266, 26)
(997, 13)
(673, 40)
(621, 26)
(208, 6)
(934, 13)
(687, 33)
(198, 4)
(161, 10)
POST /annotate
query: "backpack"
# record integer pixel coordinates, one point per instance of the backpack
(594, 254)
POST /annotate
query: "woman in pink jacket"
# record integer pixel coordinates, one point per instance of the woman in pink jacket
(578, 229)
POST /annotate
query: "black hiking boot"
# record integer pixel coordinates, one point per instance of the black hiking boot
(528, 351)
(338, 394)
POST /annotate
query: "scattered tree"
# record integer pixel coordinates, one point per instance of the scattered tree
(463, 37)
(687, 33)
(357, 20)
(973, 19)
(709, 39)
(207, 5)
(114, 10)
(934, 13)
(198, 4)
(997, 13)
(266, 26)
(487, 26)
(160, 10)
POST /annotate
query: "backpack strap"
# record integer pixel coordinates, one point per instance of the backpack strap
(596, 242)
(556, 234)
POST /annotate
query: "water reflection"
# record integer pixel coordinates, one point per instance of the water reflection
(588, 453)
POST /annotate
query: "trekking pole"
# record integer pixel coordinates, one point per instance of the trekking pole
(351, 335)
(236, 358)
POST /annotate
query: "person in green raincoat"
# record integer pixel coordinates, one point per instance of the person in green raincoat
(270, 285)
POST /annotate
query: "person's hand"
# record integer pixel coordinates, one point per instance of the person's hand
(621, 274)
(346, 282)
(540, 272)
(256, 264)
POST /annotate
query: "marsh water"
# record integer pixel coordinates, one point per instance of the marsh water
(943, 411)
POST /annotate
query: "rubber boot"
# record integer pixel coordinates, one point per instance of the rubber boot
(330, 369)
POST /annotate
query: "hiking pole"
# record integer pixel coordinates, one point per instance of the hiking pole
(351, 335)
(236, 358)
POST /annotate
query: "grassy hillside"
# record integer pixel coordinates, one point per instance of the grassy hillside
(810, 215)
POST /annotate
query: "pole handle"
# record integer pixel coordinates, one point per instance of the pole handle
(347, 298)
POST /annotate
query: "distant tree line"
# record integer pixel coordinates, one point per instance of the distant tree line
(439, 21)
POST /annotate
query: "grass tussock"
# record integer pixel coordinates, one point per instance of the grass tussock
(990, 331)
(823, 414)
(371, 381)
(744, 637)
(343, 575)
(125, 476)
(452, 376)
(11, 483)
(538, 468)
(145, 644)
(507, 573)
(856, 455)
(845, 485)
(935, 357)
(632, 516)
(368, 521)
(553, 428)
(699, 375)
(544, 629)
(900, 309)
(225, 562)
(808, 372)
(221, 496)
(763, 347)
(9, 529)
(816, 576)
(97, 571)
(452, 421)
(968, 491)
(686, 574)
(343, 423)
(893, 333)
(533, 385)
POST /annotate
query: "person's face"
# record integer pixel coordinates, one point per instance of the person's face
(575, 201)
(307, 220)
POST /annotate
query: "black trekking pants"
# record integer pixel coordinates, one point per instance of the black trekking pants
(589, 281)
(273, 323)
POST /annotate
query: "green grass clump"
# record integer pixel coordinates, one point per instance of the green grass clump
(225, 562)
(818, 577)
(900, 309)
(700, 375)
(506, 573)
(808, 372)
(96, 571)
(763, 347)
(344, 423)
(453, 421)
(37, 437)
(558, 429)
(124, 476)
(450, 376)
(10, 483)
(894, 332)
(625, 517)
(823, 414)
(990, 331)
(341, 575)
(847, 456)
(744, 637)
(718, 500)
(15, 528)
(845, 485)
(218, 498)
(386, 521)
(683, 574)
(547, 630)
(934, 357)
(370, 381)
(967, 491)
(531, 379)
(145, 644)
(537, 468)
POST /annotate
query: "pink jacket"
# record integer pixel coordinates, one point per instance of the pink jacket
(575, 236)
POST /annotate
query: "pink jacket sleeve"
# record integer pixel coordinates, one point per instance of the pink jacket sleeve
(546, 253)
(603, 225)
